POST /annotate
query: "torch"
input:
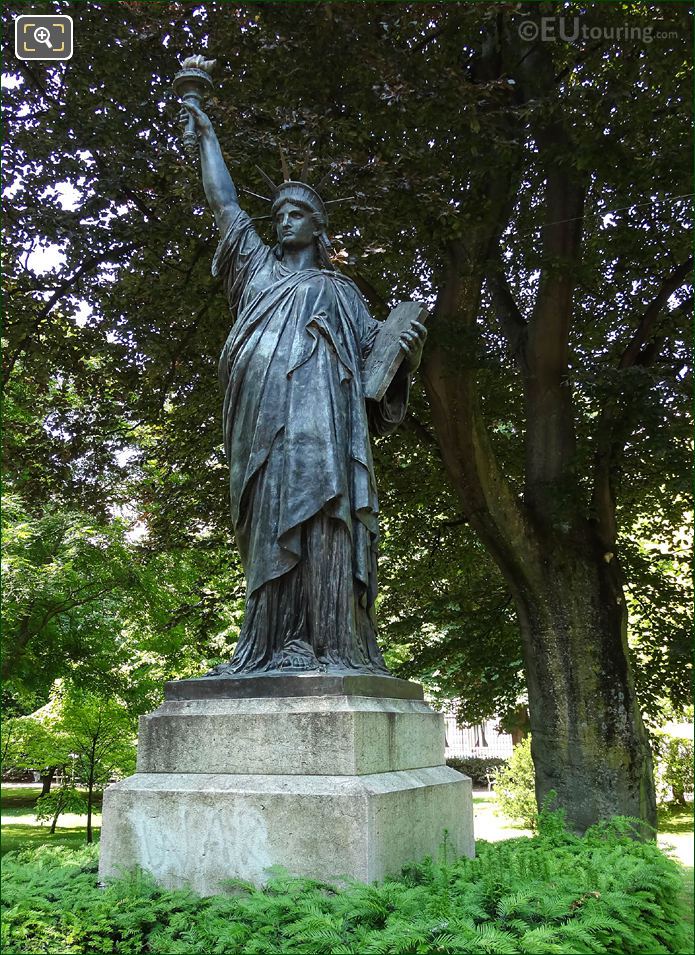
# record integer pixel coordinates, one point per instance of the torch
(191, 84)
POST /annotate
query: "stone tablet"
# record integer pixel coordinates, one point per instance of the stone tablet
(386, 355)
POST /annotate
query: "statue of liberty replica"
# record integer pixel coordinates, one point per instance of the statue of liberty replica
(296, 429)
(303, 751)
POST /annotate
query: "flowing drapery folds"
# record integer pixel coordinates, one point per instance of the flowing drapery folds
(296, 431)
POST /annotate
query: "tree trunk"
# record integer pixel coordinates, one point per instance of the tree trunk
(517, 724)
(678, 793)
(55, 819)
(588, 741)
(587, 738)
(60, 805)
(90, 800)
(47, 780)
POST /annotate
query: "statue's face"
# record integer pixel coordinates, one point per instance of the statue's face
(294, 225)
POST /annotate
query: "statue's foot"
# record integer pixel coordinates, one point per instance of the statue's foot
(222, 669)
(297, 655)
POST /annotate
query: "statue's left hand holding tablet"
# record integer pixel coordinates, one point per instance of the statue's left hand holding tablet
(412, 343)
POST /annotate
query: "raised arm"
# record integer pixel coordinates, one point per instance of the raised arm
(217, 183)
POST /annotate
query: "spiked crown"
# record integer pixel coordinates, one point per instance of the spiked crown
(292, 190)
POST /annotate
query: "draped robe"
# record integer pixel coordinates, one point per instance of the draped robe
(296, 434)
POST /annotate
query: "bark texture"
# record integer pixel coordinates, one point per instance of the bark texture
(587, 738)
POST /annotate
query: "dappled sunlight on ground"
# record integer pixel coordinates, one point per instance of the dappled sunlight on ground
(676, 832)
(20, 830)
(487, 824)
(67, 820)
(680, 847)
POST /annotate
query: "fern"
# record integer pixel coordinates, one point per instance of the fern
(514, 904)
(538, 941)
(553, 907)
(579, 938)
(494, 940)
(602, 893)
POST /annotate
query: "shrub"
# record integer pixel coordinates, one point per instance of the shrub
(673, 769)
(553, 893)
(477, 767)
(515, 787)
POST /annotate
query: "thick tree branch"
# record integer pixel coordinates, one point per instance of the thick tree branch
(651, 314)
(375, 299)
(27, 631)
(550, 437)
(427, 38)
(186, 336)
(88, 265)
(413, 424)
(126, 191)
(513, 324)
(614, 424)
(488, 500)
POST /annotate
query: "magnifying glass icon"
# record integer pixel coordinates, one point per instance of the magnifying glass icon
(43, 35)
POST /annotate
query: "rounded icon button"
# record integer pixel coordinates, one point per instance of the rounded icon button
(43, 35)
(528, 30)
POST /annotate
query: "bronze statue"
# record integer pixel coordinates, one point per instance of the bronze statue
(296, 428)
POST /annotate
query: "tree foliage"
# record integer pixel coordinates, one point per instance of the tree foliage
(85, 603)
(35, 741)
(67, 798)
(515, 788)
(60, 572)
(90, 734)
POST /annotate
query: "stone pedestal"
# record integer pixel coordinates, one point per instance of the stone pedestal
(340, 777)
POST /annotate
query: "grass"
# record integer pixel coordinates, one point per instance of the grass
(20, 830)
(675, 820)
(16, 798)
(26, 836)
(687, 898)
(676, 828)
(488, 823)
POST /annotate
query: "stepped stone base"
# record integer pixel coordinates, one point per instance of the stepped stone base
(331, 787)
(199, 830)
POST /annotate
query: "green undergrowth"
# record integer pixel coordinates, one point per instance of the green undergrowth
(552, 893)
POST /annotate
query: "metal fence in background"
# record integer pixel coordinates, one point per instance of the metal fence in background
(479, 740)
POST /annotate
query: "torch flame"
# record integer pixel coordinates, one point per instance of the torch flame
(197, 63)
